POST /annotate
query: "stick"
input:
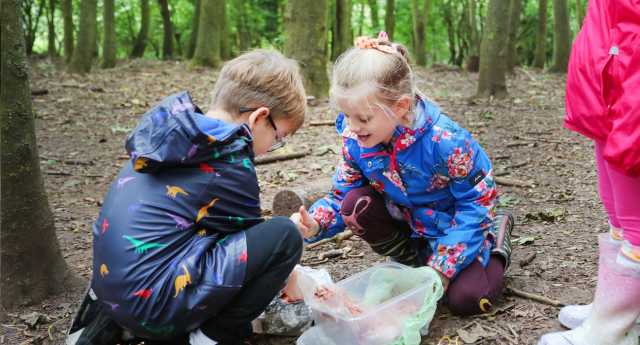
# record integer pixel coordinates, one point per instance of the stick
(77, 162)
(79, 86)
(528, 259)
(39, 92)
(502, 333)
(527, 73)
(536, 298)
(517, 144)
(515, 183)
(517, 165)
(335, 253)
(542, 133)
(279, 157)
(337, 238)
(546, 140)
(515, 334)
(503, 157)
(322, 123)
(501, 173)
(56, 172)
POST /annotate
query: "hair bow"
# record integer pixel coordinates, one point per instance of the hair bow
(364, 42)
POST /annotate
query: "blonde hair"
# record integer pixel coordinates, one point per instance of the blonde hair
(265, 78)
(366, 76)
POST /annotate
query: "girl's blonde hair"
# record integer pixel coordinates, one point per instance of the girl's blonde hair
(371, 77)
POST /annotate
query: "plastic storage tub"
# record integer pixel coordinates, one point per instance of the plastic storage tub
(381, 325)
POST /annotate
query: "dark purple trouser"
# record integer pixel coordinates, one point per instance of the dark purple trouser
(473, 287)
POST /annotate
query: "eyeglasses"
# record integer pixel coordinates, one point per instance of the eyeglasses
(276, 144)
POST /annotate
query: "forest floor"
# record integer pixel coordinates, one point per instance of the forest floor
(87, 119)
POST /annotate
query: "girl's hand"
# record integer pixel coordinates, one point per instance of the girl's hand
(292, 290)
(445, 280)
(307, 225)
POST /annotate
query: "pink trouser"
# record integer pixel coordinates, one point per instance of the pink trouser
(620, 195)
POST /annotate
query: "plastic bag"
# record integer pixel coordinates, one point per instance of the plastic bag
(315, 336)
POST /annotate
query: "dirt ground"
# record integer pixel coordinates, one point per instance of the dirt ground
(87, 119)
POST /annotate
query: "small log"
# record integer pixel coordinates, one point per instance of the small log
(514, 183)
(336, 239)
(536, 298)
(279, 157)
(80, 86)
(322, 123)
(39, 92)
(502, 157)
(288, 201)
(56, 172)
(528, 259)
(78, 162)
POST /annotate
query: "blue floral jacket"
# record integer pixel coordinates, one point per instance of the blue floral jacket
(434, 176)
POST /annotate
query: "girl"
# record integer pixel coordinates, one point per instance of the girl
(411, 182)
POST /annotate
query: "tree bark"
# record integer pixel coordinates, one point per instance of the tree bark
(208, 45)
(473, 61)
(491, 81)
(67, 17)
(194, 30)
(514, 25)
(83, 52)
(561, 37)
(450, 33)
(243, 28)
(31, 24)
(420, 18)
(541, 38)
(52, 30)
(32, 264)
(167, 37)
(143, 35)
(225, 45)
(579, 15)
(343, 36)
(375, 19)
(305, 41)
(109, 44)
(390, 19)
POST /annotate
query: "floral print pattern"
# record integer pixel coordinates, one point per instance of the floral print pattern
(325, 216)
(446, 258)
(460, 163)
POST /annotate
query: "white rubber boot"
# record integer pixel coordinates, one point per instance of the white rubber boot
(615, 308)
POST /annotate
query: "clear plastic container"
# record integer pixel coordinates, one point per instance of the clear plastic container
(382, 324)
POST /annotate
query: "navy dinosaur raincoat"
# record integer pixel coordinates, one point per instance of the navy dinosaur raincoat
(434, 176)
(169, 245)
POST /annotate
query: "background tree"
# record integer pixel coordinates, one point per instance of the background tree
(167, 27)
(52, 30)
(305, 40)
(579, 14)
(491, 81)
(109, 48)
(561, 37)
(225, 45)
(448, 19)
(31, 20)
(375, 19)
(243, 28)
(193, 39)
(342, 37)
(83, 52)
(420, 19)
(143, 34)
(208, 45)
(32, 264)
(541, 37)
(390, 19)
(67, 17)
(473, 62)
(514, 25)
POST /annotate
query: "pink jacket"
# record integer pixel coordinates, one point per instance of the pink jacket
(603, 84)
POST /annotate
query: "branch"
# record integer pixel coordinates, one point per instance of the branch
(536, 298)
(279, 157)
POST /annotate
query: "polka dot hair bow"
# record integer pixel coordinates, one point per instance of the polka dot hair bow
(364, 42)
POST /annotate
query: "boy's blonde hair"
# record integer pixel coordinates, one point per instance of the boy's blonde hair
(367, 76)
(265, 78)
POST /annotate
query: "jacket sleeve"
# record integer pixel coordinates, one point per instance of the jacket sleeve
(472, 184)
(230, 202)
(327, 210)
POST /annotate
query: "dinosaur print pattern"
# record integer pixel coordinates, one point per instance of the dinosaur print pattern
(133, 208)
(202, 232)
(179, 106)
(239, 222)
(233, 159)
(182, 223)
(103, 270)
(192, 151)
(204, 212)
(181, 281)
(211, 140)
(141, 163)
(206, 168)
(104, 225)
(123, 180)
(142, 247)
(173, 191)
(243, 256)
(247, 163)
(113, 305)
(162, 330)
(133, 156)
(144, 293)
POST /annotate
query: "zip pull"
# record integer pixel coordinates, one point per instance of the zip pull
(613, 51)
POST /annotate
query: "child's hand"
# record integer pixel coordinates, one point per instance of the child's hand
(292, 290)
(307, 225)
(445, 280)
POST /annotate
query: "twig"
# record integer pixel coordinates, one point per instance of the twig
(65, 173)
(517, 144)
(279, 157)
(517, 165)
(533, 297)
(502, 333)
(501, 173)
(528, 259)
(53, 324)
(79, 86)
(117, 68)
(93, 175)
(318, 262)
(335, 253)
(515, 334)
(356, 255)
(502, 157)
(540, 133)
(78, 162)
(514, 183)
(338, 238)
(322, 123)
(527, 73)
(546, 140)
(469, 325)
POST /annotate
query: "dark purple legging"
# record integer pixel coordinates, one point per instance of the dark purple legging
(473, 287)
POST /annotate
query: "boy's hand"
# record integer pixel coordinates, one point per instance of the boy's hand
(307, 225)
(445, 280)
(292, 290)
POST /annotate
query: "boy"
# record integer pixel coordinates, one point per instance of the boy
(180, 243)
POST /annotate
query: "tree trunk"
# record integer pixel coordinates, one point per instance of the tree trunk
(52, 29)
(83, 52)
(390, 18)
(67, 16)
(167, 37)
(342, 38)
(208, 45)
(450, 33)
(579, 15)
(491, 81)
(31, 24)
(305, 41)
(420, 30)
(361, 18)
(32, 264)
(561, 37)
(143, 34)
(242, 26)
(225, 45)
(375, 19)
(194, 30)
(473, 61)
(109, 44)
(514, 25)
(541, 38)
